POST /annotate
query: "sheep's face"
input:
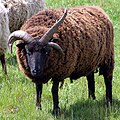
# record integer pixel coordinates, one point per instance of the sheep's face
(37, 56)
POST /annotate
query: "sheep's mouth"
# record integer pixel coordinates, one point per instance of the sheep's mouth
(36, 73)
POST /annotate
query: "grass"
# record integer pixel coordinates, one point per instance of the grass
(17, 93)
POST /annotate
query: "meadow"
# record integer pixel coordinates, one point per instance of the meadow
(17, 93)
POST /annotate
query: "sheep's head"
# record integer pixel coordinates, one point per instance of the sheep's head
(37, 49)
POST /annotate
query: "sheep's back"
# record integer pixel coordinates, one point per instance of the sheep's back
(92, 39)
(21, 10)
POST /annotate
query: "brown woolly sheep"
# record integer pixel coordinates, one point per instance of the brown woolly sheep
(80, 42)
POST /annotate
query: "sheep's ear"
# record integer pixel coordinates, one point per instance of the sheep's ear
(21, 45)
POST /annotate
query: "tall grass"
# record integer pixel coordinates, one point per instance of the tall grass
(17, 93)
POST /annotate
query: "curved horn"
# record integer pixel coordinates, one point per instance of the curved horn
(56, 46)
(48, 35)
(18, 35)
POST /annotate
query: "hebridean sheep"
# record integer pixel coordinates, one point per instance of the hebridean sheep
(21, 10)
(4, 34)
(75, 48)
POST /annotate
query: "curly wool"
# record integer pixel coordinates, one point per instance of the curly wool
(21, 10)
(86, 37)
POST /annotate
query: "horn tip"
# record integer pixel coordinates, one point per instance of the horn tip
(65, 10)
(10, 48)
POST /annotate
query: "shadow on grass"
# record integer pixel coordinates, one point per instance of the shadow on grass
(91, 110)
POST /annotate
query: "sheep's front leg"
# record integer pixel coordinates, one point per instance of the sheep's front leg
(56, 109)
(3, 62)
(38, 95)
(91, 85)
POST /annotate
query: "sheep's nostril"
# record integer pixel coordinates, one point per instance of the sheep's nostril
(34, 72)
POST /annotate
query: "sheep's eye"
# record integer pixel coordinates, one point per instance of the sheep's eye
(44, 50)
(46, 53)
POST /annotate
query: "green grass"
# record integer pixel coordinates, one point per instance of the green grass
(17, 93)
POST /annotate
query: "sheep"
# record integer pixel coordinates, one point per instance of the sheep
(21, 10)
(13, 13)
(80, 42)
(4, 34)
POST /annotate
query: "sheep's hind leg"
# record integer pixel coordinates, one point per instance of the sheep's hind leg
(56, 109)
(3, 62)
(108, 84)
(38, 95)
(107, 72)
(91, 85)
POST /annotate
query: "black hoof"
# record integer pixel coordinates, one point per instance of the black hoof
(108, 103)
(38, 106)
(93, 97)
(56, 111)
